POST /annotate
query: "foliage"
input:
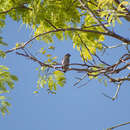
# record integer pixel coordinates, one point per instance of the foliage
(6, 80)
(86, 23)
(50, 79)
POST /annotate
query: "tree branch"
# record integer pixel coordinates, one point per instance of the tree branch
(20, 6)
(118, 126)
(70, 29)
(110, 33)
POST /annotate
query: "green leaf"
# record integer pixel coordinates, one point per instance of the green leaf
(110, 18)
(50, 82)
(60, 78)
(43, 52)
(105, 83)
(2, 43)
(13, 77)
(2, 97)
(100, 80)
(4, 91)
(51, 47)
(2, 54)
(118, 20)
(35, 92)
(2, 67)
(10, 84)
(48, 55)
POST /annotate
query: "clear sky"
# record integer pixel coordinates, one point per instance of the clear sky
(72, 108)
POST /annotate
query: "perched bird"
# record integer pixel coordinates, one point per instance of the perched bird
(65, 62)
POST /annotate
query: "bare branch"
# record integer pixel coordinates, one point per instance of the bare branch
(117, 91)
(114, 46)
(118, 126)
(35, 59)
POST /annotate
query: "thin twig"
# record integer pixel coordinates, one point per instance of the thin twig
(101, 60)
(50, 23)
(116, 94)
(118, 126)
(81, 54)
(107, 96)
(80, 79)
(84, 84)
(94, 25)
(84, 58)
(115, 46)
(117, 91)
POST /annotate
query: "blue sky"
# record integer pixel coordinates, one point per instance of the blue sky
(71, 108)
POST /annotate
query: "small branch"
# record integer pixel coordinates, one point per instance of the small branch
(117, 91)
(116, 94)
(107, 96)
(4, 12)
(115, 46)
(80, 64)
(81, 54)
(79, 70)
(35, 60)
(95, 25)
(50, 23)
(122, 68)
(84, 84)
(118, 126)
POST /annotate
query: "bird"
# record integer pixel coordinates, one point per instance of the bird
(65, 62)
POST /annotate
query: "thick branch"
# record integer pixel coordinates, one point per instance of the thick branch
(119, 37)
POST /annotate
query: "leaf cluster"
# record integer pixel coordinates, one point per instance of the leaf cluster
(6, 80)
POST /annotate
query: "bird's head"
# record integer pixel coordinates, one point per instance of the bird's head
(68, 55)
